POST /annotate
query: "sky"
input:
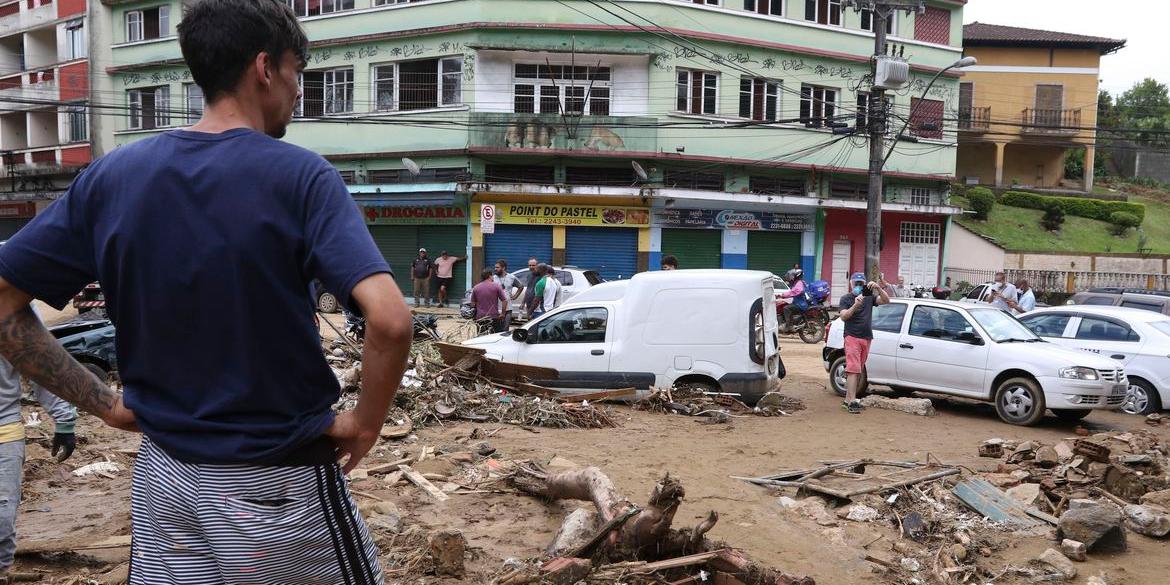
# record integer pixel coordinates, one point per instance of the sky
(1141, 22)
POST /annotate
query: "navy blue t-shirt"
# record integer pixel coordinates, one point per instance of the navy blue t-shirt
(205, 245)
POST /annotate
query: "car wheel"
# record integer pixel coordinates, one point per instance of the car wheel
(1019, 401)
(98, 371)
(1143, 399)
(838, 379)
(327, 303)
(1071, 415)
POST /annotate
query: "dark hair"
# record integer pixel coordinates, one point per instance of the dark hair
(220, 38)
(549, 270)
(670, 260)
(485, 274)
(503, 263)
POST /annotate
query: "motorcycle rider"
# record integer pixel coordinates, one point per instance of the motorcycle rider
(795, 280)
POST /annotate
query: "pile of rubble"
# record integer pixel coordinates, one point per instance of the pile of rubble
(698, 400)
(464, 385)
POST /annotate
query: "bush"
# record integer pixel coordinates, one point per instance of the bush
(982, 201)
(1123, 221)
(1080, 207)
(1053, 216)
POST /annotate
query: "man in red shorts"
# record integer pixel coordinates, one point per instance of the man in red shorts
(857, 313)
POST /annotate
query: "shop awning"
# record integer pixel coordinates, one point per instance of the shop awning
(407, 195)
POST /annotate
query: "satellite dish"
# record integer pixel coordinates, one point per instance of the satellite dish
(411, 166)
(638, 170)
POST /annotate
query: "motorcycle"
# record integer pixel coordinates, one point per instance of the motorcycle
(809, 324)
(424, 326)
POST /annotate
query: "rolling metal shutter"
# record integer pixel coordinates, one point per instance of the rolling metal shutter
(399, 245)
(453, 239)
(775, 252)
(694, 248)
(518, 243)
(612, 252)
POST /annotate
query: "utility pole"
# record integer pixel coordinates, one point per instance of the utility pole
(875, 114)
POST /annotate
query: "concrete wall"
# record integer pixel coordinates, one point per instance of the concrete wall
(1131, 263)
(1153, 165)
(968, 250)
(1034, 166)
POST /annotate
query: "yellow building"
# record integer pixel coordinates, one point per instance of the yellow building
(1031, 99)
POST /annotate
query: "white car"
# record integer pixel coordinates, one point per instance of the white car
(1138, 339)
(977, 294)
(713, 329)
(982, 353)
(573, 281)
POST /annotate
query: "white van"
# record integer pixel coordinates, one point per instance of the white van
(704, 327)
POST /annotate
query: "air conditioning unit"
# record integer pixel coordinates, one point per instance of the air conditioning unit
(892, 73)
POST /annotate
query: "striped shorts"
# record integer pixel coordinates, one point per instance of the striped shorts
(245, 525)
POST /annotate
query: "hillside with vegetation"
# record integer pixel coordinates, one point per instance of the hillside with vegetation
(1018, 228)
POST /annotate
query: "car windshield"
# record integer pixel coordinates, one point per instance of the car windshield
(593, 277)
(1002, 327)
(1163, 327)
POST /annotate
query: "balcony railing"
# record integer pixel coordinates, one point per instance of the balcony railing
(1052, 121)
(554, 132)
(975, 119)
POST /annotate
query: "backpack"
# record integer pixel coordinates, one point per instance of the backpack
(819, 290)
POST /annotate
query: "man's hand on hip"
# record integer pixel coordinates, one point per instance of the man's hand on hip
(353, 439)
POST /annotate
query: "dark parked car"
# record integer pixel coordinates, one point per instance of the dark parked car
(323, 299)
(1157, 301)
(91, 342)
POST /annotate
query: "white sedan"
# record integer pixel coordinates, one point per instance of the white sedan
(982, 353)
(1137, 339)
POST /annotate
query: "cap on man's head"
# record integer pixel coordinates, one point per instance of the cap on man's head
(422, 249)
(857, 277)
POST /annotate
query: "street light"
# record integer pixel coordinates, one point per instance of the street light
(961, 63)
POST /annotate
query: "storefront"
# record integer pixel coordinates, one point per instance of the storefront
(399, 231)
(14, 216)
(911, 247)
(725, 238)
(605, 238)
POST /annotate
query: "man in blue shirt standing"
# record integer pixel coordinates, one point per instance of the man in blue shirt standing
(238, 477)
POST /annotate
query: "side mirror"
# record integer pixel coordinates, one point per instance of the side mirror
(969, 338)
(520, 335)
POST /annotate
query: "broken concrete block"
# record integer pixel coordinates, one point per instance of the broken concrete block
(1026, 494)
(1159, 498)
(918, 406)
(910, 564)
(787, 503)
(1099, 526)
(993, 450)
(1054, 559)
(1096, 580)
(1148, 521)
(1064, 450)
(862, 513)
(447, 549)
(1073, 549)
(1047, 457)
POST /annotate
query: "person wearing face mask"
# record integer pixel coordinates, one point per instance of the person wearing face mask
(1003, 294)
(857, 313)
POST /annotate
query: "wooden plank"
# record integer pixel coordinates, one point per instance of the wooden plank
(676, 562)
(417, 479)
(65, 545)
(533, 389)
(992, 503)
(452, 354)
(597, 396)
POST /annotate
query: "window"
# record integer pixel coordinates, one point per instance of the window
(818, 105)
(863, 108)
(758, 98)
(147, 24)
(149, 107)
(977, 292)
(889, 317)
(1048, 324)
(431, 175)
(75, 46)
(520, 174)
(1095, 329)
(921, 196)
(78, 124)
(612, 176)
(1155, 307)
(684, 179)
(1163, 327)
(304, 8)
(575, 326)
(786, 185)
(926, 118)
(823, 11)
(966, 103)
(697, 91)
(1002, 326)
(772, 7)
(194, 102)
(568, 89)
(348, 177)
(1102, 301)
(326, 92)
(392, 2)
(707, 2)
(891, 21)
(417, 85)
(933, 25)
(939, 323)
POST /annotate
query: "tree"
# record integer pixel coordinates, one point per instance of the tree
(1145, 107)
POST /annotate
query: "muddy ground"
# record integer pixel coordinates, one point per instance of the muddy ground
(61, 511)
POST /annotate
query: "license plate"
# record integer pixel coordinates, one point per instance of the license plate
(1120, 389)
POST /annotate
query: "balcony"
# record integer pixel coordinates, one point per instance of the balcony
(29, 90)
(975, 119)
(535, 132)
(1052, 122)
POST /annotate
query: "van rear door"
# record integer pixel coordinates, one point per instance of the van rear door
(772, 363)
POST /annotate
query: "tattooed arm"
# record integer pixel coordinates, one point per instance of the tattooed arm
(37, 355)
